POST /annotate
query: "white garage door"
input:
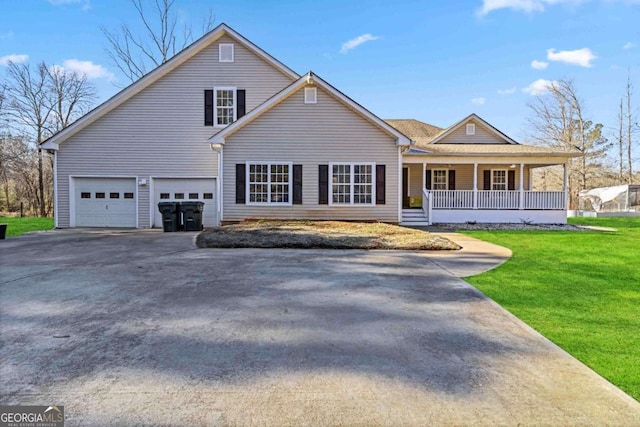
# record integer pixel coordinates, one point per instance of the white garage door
(105, 202)
(185, 190)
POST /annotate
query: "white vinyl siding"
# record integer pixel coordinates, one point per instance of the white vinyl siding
(269, 183)
(329, 132)
(160, 131)
(352, 184)
(481, 135)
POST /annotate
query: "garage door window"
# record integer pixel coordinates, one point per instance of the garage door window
(193, 196)
(99, 195)
(178, 196)
(114, 195)
(85, 195)
(128, 195)
(207, 196)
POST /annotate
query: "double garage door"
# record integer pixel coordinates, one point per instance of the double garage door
(113, 202)
(185, 190)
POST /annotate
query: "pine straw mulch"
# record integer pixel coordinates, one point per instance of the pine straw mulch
(321, 235)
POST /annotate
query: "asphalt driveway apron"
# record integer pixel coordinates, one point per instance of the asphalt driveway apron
(161, 333)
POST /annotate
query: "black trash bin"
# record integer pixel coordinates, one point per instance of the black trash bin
(192, 215)
(3, 231)
(170, 216)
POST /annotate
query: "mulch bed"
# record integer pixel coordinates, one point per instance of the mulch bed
(321, 235)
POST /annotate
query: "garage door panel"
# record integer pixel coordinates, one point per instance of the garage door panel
(105, 202)
(185, 190)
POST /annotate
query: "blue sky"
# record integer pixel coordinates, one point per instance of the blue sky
(433, 61)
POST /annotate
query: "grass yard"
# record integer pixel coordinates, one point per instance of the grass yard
(17, 226)
(581, 289)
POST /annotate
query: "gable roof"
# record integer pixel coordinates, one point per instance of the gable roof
(415, 128)
(458, 125)
(495, 150)
(159, 72)
(308, 79)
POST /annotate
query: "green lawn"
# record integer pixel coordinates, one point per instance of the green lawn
(18, 226)
(579, 289)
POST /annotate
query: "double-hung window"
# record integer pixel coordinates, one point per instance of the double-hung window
(352, 183)
(498, 179)
(224, 105)
(268, 183)
(440, 179)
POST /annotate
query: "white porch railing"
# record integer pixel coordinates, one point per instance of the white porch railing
(494, 199)
(427, 204)
(544, 199)
(498, 199)
(452, 199)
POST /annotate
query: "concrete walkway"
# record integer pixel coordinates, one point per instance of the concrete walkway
(475, 257)
(157, 332)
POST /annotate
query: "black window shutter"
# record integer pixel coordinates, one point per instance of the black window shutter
(241, 108)
(511, 180)
(208, 107)
(241, 178)
(297, 184)
(452, 180)
(487, 180)
(380, 185)
(323, 184)
(427, 184)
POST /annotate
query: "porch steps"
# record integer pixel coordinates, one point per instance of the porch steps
(414, 218)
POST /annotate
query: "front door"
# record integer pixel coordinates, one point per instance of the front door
(405, 188)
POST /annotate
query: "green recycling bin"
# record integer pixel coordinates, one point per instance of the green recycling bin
(170, 216)
(192, 215)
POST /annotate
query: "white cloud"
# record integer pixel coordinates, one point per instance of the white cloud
(353, 43)
(86, 4)
(538, 87)
(629, 45)
(539, 65)
(527, 6)
(581, 57)
(88, 68)
(509, 91)
(16, 59)
(478, 101)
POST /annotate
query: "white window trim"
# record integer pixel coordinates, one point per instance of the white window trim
(506, 179)
(433, 178)
(248, 201)
(215, 104)
(351, 183)
(310, 99)
(471, 129)
(220, 46)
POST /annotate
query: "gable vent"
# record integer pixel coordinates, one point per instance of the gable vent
(471, 129)
(225, 52)
(310, 95)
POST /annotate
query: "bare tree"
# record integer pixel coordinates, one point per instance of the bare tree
(42, 101)
(632, 127)
(135, 54)
(72, 95)
(620, 138)
(559, 121)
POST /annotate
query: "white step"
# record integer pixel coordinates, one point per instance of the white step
(415, 223)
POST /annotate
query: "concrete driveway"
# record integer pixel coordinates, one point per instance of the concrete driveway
(156, 332)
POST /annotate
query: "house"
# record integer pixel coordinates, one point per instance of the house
(225, 123)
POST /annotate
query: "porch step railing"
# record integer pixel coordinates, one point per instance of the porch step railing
(495, 199)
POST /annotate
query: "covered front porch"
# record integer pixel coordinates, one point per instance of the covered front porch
(491, 191)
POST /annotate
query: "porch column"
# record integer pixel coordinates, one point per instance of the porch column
(475, 186)
(521, 199)
(565, 184)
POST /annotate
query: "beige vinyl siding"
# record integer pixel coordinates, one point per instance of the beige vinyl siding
(311, 135)
(464, 176)
(482, 136)
(160, 131)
